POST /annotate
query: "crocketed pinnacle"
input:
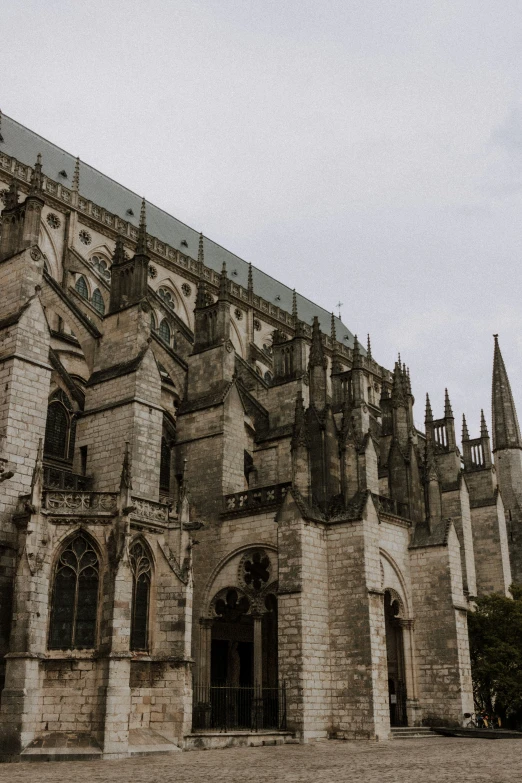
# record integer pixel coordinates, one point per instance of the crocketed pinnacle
(428, 417)
(118, 257)
(250, 279)
(317, 357)
(397, 394)
(201, 297)
(368, 347)
(483, 426)
(76, 176)
(465, 433)
(141, 249)
(201, 251)
(126, 477)
(356, 356)
(294, 306)
(223, 283)
(11, 197)
(448, 413)
(1, 137)
(333, 334)
(506, 431)
(36, 176)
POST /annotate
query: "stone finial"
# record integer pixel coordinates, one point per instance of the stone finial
(299, 433)
(368, 348)
(126, 469)
(294, 306)
(483, 426)
(465, 433)
(141, 248)
(408, 381)
(76, 176)
(448, 413)
(36, 176)
(333, 334)
(506, 430)
(250, 279)
(428, 418)
(201, 251)
(317, 357)
(397, 394)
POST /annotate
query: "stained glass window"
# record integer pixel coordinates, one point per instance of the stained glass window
(97, 302)
(75, 597)
(164, 331)
(141, 572)
(81, 287)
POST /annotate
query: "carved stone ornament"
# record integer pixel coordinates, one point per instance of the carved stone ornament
(35, 254)
(255, 569)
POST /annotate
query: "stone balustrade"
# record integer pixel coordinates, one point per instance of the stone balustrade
(250, 500)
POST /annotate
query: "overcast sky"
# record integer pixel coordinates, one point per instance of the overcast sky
(362, 151)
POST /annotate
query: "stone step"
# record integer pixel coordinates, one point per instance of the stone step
(412, 732)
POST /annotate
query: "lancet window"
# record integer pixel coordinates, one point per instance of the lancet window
(141, 566)
(164, 331)
(81, 287)
(74, 603)
(59, 428)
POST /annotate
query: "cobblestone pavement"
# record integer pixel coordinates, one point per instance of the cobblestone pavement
(401, 761)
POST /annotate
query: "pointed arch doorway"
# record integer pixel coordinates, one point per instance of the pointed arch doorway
(396, 667)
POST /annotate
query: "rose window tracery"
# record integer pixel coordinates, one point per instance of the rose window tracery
(231, 606)
(255, 569)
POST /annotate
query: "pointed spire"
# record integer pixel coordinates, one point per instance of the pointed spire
(397, 394)
(118, 257)
(465, 433)
(408, 381)
(141, 248)
(1, 137)
(223, 283)
(428, 418)
(36, 176)
(250, 279)
(317, 357)
(356, 356)
(506, 431)
(126, 478)
(369, 348)
(483, 426)
(332, 329)
(76, 177)
(448, 413)
(201, 250)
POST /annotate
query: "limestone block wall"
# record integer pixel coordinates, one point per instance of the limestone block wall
(72, 697)
(357, 632)
(161, 697)
(441, 641)
(491, 548)
(456, 506)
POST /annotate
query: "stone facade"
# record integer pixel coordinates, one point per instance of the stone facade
(144, 397)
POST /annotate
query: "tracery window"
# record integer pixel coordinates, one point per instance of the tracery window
(74, 602)
(165, 466)
(101, 266)
(164, 331)
(167, 297)
(81, 287)
(97, 302)
(141, 578)
(59, 428)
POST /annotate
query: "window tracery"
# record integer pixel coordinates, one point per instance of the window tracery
(164, 331)
(81, 287)
(167, 297)
(74, 603)
(102, 266)
(59, 428)
(97, 302)
(141, 567)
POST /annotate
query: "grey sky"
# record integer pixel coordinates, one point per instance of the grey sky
(364, 151)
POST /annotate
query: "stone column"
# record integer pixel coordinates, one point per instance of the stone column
(202, 706)
(409, 670)
(258, 671)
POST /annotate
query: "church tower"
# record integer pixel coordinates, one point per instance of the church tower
(507, 451)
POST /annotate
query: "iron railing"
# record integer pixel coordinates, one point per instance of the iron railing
(229, 708)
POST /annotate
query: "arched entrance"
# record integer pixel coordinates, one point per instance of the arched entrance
(395, 658)
(238, 685)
